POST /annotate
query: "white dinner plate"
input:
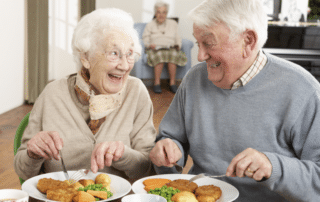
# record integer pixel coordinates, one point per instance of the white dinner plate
(229, 192)
(119, 186)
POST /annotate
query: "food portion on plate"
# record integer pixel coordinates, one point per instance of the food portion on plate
(182, 190)
(82, 191)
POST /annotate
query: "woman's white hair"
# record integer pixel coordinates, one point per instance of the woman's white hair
(93, 28)
(159, 4)
(237, 15)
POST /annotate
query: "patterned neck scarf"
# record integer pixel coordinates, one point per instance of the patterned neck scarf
(100, 105)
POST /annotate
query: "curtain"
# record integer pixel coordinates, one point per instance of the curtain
(86, 6)
(37, 51)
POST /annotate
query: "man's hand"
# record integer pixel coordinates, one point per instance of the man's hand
(45, 144)
(104, 153)
(251, 163)
(165, 153)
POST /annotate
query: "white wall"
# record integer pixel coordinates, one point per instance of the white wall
(140, 9)
(11, 54)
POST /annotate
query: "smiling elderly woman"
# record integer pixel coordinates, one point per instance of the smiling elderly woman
(100, 118)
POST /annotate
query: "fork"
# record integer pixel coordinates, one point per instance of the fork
(202, 175)
(78, 175)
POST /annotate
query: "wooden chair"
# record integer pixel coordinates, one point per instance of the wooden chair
(17, 138)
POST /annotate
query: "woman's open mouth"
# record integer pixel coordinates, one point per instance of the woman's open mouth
(115, 77)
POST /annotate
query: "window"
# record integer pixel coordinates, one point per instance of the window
(63, 18)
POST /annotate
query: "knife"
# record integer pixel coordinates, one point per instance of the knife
(64, 167)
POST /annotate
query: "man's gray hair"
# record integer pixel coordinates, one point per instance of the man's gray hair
(159, 4)
(92, 29)
(237, 15)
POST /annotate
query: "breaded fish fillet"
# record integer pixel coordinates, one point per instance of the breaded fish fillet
(184, 196)
(208, 193)
(183, 185)
(63, 195)
(154, 183)
(46, 184)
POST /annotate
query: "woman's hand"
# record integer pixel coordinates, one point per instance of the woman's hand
(251, 163)
(165, 153)
(176, 47)
(104, 153)
(45, 144)
(152, 46)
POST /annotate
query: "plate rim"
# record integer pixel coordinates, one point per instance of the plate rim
(71, 171)
(185, 175)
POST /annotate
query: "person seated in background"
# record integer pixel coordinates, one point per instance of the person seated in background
(100, 118)
(163, 44)
(244, 112)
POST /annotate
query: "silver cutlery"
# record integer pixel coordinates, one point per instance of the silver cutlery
(63, 167)
(78, 175)
(202, 175)
(179, 168)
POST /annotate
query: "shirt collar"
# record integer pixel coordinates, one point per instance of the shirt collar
(254, 69)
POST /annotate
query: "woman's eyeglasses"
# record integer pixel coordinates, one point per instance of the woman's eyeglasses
(116, 55)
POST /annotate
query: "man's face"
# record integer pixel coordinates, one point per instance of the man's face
(224, 58)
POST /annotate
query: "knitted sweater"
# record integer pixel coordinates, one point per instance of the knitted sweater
(58, 109)
(277, 113)
(153, 35)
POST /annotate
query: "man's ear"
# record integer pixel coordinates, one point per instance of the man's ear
(250, 43)
(84, 60)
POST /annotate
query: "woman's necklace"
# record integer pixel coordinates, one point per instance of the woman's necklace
(162, 28)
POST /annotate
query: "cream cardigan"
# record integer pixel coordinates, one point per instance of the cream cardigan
(153, 34)
(58, 109)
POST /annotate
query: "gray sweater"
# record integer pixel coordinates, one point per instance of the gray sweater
(277, 113)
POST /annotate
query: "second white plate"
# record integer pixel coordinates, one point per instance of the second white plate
(229, 192)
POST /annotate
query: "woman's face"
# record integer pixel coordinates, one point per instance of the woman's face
(161, 14)
(107, 73)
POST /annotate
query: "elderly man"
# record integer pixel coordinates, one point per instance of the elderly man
(244, 112)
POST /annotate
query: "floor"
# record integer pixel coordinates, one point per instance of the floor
(9, 122)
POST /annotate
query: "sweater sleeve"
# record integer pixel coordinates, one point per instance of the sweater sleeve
(177, 39)
(297, 178)
(146, 36)
(25, 166)
(135, 162)
(173, 126)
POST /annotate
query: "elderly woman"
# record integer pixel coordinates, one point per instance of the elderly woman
(163, 45)
(99, 118)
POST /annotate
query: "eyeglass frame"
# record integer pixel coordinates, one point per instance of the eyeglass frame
(121, 55)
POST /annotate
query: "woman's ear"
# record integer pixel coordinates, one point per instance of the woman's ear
(250, 43)
(84, 60)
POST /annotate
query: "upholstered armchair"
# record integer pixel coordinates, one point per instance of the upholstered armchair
(141, 68)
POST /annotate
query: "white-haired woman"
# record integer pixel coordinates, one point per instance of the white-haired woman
(163, 44)
(99, 118)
